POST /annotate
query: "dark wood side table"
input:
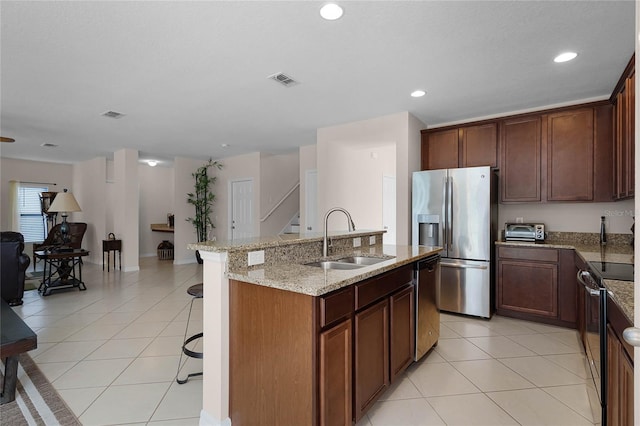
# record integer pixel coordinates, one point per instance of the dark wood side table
(62, 269)
(107, 247)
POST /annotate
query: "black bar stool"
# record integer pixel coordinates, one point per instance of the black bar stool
(196, 292)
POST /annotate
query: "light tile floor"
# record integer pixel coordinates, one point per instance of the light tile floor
(112, 353)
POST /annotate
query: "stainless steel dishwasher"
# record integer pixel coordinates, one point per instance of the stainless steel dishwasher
(427, 282)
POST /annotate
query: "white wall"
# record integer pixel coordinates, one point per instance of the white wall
(126, 206)
(572, 217)
(89, 189)
(308, 161)
(156, 201)
(401, 130)
(278, 174)
(31, 171)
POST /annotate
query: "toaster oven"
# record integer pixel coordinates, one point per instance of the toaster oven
(530, 232)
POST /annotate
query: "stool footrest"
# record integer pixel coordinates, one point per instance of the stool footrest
(189, 352)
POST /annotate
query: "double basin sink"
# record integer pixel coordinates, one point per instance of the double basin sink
(350, 262)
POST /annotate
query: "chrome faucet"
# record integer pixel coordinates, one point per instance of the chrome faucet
(352, 227)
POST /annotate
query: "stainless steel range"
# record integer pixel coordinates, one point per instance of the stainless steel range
(595, 319)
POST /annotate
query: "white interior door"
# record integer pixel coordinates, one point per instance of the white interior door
(311, 202)
(389, 209)
(241, 204)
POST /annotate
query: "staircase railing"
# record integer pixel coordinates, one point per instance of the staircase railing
(282, 200)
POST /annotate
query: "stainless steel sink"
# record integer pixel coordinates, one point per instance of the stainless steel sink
(326, 264)
(361, 260)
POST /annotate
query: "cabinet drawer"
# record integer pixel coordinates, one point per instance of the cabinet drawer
(527, 253)
(335, 306)
(371, 290)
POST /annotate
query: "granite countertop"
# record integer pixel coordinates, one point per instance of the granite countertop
(620, 291)
(258, 243)
(315, 281)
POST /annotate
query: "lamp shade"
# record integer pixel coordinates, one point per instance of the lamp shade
(64, 202)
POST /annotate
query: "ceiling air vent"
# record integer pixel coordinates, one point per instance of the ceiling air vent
(112, 114)
(283, 79)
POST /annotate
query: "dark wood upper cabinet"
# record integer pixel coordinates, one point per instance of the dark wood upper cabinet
(570, 155)
(624, 133)
(467, 146)
(440, 150)
(479, 145)
(520, 140)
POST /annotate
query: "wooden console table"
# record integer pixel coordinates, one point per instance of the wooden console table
(109, 246)
(161, 227)
(60, 269)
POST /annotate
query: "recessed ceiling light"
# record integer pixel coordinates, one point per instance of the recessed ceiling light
(564, 57)
(331, 11)
(418, 93)
(152, 163)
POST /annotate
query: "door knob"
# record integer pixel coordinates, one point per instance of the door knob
(632, 336)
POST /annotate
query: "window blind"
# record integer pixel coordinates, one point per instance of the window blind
(32, 224)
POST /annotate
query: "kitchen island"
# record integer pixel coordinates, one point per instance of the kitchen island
(266, 325)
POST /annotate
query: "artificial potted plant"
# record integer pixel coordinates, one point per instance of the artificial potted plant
(202, 200)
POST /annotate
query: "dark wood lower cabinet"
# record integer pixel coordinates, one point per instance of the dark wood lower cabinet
(371, 370)
(402, 325)
(619, 369)
(536, 284)
(528, 287)
(335, 375)
(302, 360)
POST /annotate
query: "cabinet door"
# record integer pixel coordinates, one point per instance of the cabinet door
(570, 156)
(402, 331)
(440, 150)
(521, 154)
(528, 287)
(479, 145)
(371, 355)
(626, 389)
(621, 145)
(335, 375)
(629, 140)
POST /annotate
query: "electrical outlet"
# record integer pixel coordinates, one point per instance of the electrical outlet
(519, 219)
(256, 257)
(372, 240)
(357, 242)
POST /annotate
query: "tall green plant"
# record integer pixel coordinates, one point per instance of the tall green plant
(202, 199)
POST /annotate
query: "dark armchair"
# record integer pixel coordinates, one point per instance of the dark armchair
(54, 239)
(13, 265)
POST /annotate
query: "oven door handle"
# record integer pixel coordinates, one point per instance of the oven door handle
(581, 278)
(632, 336)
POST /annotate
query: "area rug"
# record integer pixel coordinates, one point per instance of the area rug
(37, 402)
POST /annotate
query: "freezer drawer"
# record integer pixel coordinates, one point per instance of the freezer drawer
(465, 287)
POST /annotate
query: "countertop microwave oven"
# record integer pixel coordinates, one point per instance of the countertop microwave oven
(530, 232)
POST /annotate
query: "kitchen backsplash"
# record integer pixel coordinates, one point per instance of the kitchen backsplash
(588, 238)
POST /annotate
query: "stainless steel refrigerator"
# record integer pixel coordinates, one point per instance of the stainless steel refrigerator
(457, 209)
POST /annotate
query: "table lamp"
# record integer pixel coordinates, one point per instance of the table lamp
(64, 202)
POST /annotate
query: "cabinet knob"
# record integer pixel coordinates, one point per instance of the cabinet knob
(632, 336)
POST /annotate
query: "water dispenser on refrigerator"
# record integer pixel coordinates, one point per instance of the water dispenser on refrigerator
(428, 229)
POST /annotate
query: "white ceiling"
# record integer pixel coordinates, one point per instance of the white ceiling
(191, 76)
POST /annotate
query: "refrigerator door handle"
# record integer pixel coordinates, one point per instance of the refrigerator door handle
(462, 266)
(450, 213)
(445, 220)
